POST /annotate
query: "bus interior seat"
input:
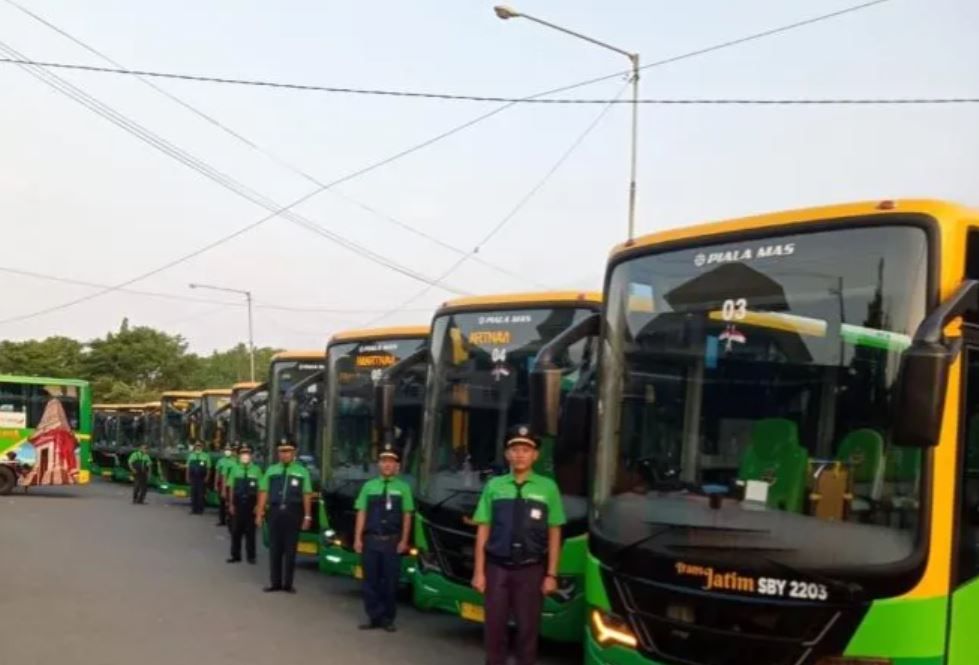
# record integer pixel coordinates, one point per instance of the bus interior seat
(863, 450)
(775, 456)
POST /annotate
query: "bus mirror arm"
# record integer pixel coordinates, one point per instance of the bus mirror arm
(919, 403)
(384, 392)
(545, 378)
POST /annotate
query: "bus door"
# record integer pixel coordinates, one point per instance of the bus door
(963, 639)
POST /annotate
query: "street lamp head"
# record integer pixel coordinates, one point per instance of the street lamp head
(504, 12)
(193, 286)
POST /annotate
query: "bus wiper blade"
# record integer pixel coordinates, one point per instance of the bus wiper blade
(707, 527)
(452, 494)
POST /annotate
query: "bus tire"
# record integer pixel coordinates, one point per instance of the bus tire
(8, 480)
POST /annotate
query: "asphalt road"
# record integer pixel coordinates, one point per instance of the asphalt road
(87, 578)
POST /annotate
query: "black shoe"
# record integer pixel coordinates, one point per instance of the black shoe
(370, 625)
(252, 561)
(233, 560)
(270, 589)
(220, 524)
(289, 589)
(390, 628)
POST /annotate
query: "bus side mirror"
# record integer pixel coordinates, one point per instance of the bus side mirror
(919, 404)
(919, 398)
(545, 401)
(384, 412)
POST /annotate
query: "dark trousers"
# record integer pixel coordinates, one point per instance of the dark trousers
(197, 494)
(222, 511)
(243, 526)
(284, 527)
(382, 571)
(512, 592)
(140, 481)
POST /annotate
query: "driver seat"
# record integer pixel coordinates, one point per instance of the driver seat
(775, 456)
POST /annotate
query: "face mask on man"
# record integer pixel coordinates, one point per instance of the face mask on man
(245, 459)
(227, 453)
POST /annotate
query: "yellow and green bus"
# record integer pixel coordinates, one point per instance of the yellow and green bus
(293, 413)
(149, 431)
(356, 364)
(181, 420)
(45, 432)
(786, 457)
(121, 428)
(481, 354)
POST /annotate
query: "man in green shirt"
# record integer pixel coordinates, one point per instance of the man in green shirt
(383, 533)
(242, 497)
(286, 494)
(221, 472)
(139, 464)
(198, 468)
(518, 544)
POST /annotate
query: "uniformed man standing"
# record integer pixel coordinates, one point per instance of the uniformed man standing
(242, 497)
(286, 496)
(383, 533)
(139, 464)
(518, 543)
(198, 467)
(221, 472)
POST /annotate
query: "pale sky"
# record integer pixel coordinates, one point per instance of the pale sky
(82, 199)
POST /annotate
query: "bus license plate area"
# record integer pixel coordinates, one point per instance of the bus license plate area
(472, 612)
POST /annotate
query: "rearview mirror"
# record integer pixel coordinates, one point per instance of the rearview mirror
(545, 401)
(384, 412)
(920, 400)
(575, 426)
(919, 397)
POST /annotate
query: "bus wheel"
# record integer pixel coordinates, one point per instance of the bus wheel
(8, 480)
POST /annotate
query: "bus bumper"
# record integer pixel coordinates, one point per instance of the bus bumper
(596, 654)
(121, 475)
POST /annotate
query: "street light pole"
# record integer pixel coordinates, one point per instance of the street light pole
(248, 300)
(505, 13)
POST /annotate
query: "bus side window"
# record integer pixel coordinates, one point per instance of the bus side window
(12, 398)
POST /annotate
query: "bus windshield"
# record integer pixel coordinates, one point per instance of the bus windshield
(478, 389)
(127, 423)
(250, 421)
(355, 369)
(216, 420)
(760, 372)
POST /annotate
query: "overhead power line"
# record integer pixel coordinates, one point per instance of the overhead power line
(194, 299)
(218, 177)
(238, 136)
(524, 200)
(658, 101)
(307, 87)
(440, 137)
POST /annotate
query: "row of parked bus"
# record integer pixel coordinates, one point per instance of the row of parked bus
(761, 431)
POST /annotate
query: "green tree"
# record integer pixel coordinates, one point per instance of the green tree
(143, 360)
(58, 357)
(223, 368)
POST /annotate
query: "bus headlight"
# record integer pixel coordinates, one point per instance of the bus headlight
(329, 534)
(413, 551)
(858, 660)
(608, 629)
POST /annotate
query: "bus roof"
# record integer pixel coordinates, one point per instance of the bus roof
(183, 393)
(939, 209)
(117, 407)
(245, 385)
(151, 405)
(42, 380)
(508, 300)
(306, 354)
(366, 334)
(221, 392)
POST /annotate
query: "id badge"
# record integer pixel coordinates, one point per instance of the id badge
(536, 514)
(387, 505)
(295, 482)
